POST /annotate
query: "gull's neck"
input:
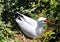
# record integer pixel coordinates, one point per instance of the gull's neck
(40, 29)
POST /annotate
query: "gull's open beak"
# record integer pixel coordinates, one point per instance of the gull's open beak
(46, 20)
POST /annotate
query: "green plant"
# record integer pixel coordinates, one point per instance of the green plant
(31, 8)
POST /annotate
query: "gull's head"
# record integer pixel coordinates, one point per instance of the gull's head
(42, 20)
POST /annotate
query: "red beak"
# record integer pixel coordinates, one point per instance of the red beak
(46, 20)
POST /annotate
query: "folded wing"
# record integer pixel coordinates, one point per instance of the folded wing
(30, 20)
(26, 27)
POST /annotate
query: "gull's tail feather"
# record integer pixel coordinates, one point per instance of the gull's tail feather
(18, 15)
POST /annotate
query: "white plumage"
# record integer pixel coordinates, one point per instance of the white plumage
(29, 26)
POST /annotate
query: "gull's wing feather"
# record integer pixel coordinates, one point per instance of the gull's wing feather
(30, 20)
(26, 27)
(27, 19)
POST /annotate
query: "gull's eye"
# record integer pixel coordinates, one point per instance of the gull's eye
(41, 21)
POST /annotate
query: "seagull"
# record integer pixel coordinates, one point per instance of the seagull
(29, 26)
